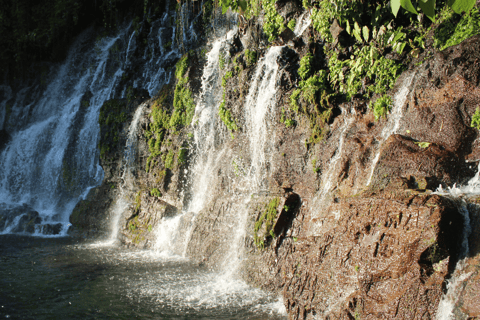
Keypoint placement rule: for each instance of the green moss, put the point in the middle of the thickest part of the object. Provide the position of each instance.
(382, 106)
(155, 193)
(225, 78)
(169, 159)
(267, 218)
(291, 24)
(224, 113)
(181, 67)
(159, 126)
(305, 68)
(182, 155)
(113, 115)
(476, 119)
(138, 201)
(183, 104)
(250, 57)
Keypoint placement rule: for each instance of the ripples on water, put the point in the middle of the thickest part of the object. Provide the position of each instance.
(61, 279)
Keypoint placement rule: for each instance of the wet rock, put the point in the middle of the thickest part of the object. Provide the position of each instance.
(20, 218)
(145, 219)
(4, 138)
(51, 229)
(371, 256)
(428, 165)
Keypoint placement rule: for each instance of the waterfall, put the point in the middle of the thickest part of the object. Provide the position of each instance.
(448, 301)
(394, 118)
(327, 185)
(128, 174)
(259, 106)
(52, 159)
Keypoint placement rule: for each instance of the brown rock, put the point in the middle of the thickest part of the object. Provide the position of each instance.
(374, 258)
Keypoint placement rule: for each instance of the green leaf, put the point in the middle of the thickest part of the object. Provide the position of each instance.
(357, 32)
(348, 28)
(407, 5)
(428, 7)
(395, 4)
(460, 6)
(423, 145)
(242, 4)
(366, 33)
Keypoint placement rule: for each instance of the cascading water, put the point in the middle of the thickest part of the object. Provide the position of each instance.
(259, 105)
(55, 135)
(217, 289)
(460, 194)
(52, 159)
(394, 118)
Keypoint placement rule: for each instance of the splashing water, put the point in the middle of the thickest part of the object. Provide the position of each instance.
(304, 22)
(259, 106)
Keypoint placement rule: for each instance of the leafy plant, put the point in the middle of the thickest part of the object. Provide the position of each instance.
(453, 30)
(273, 24)
(382, 106)
(155, 193)
(428, 6)
(291, 24)
(250, 57)
(476, 119)
(423, 144)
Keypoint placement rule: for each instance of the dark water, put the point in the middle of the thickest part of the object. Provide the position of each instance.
(58, 278)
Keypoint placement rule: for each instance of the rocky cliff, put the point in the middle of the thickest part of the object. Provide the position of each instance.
(327, 200)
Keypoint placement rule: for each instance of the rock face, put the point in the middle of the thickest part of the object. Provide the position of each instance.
(374, 257)
(343, 222)
(25, 217)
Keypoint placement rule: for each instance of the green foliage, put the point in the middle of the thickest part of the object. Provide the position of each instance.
(428, 6)
(181, 67)
(273, 24)
(169, 159)
(365, 63)
(267, 218)
(305, 66)
(226, 117)
(221, 61)
(138, 201)
(314, 165)
(313, 85)
(113, 114)
(382, 106)
(454, 30)
(225, 78)
(476, 119)
(294, 99)
(326, 11)
(155, 193)
(157, 129)
(184, 106)
(224, 113)
(182, 155)
(250, 57)
(423, 144)
(291, 24)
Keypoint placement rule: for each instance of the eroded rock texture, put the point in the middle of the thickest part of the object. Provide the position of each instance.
(356, 232)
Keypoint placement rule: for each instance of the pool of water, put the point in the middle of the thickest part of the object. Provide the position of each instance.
(61, 278)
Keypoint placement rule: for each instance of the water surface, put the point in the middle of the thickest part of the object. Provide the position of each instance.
(60, 278)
